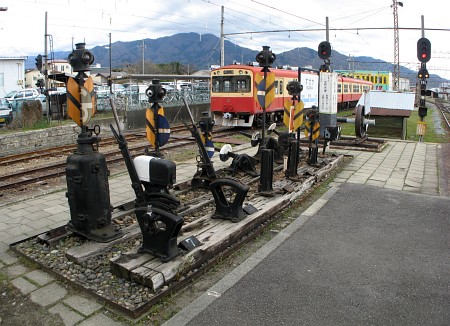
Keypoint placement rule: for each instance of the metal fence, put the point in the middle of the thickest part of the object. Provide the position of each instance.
(140, 101)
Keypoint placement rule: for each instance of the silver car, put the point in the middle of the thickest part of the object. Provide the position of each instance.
(16, 98)
(6, 114)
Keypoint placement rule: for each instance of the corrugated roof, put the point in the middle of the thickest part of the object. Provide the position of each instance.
(388, 100)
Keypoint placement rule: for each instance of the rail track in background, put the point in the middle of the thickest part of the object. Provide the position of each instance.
(444, 108)
(28, 171)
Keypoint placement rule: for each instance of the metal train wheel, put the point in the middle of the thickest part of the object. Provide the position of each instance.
(360, 126)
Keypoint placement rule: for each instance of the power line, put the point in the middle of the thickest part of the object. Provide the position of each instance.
(340, 29)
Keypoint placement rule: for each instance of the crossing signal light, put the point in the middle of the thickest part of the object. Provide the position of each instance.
(324, 50)
(423, 49)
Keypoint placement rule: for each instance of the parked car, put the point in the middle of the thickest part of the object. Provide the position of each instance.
(16, 98)
(22, 94)
(6, 114)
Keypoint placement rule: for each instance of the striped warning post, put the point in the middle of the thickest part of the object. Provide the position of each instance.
(293, 115)
(265, 89)
(315, 130)
(161, 137)
(209, 145)
(81, 104)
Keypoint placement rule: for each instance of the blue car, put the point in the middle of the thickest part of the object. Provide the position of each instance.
(6, 114)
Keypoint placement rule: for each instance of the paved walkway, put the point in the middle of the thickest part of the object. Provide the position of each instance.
(405, 166)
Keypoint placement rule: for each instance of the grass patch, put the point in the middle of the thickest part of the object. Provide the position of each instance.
(387, 127)
(431, 134)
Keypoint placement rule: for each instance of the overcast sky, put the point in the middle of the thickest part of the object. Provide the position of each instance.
(359, 28)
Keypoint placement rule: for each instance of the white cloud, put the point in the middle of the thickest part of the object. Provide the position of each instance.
(72, 21)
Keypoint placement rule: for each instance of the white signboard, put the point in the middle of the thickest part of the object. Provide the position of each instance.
(328, 93)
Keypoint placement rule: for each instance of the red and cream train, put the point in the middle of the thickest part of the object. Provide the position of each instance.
(234, 101)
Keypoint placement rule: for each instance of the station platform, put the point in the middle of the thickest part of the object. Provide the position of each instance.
(373, 249)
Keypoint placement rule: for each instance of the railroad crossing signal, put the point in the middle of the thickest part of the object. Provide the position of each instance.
(324, 50)
(265, 89)
(423, 49)
(293, 115)
(81, 104)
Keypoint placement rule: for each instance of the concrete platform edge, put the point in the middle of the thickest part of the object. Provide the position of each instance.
(197, 306)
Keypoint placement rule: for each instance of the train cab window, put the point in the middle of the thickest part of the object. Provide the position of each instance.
(227, 86)
(231, 84)
(215, 86)
(243, 85)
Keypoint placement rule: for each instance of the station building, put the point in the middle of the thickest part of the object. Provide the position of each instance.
(382, 80)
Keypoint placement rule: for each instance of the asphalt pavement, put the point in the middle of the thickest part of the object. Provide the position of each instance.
(362, 255)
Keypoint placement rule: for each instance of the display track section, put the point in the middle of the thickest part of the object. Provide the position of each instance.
(117, 274)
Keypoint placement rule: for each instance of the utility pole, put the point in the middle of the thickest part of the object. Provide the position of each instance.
(222, 40)
(46, 70)
(110, 64)
(143, 56)
(396, 45)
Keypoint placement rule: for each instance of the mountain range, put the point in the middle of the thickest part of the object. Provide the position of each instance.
(200, 51)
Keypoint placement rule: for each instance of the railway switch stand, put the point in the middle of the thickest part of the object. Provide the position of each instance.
(330, 133)
(293, 158)
(283, 143)
(206, 176)
(206, 125)
(88, 190)
(157, 175)
(266, 175)
(269, 143)
(205, 170)
(86, 170)
(313, 151)
(241, 162)
(291, 146)
(153, 206)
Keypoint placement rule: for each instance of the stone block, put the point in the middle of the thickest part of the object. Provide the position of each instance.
(48, 294)
(68, 316)
(83, 305)
(23, 285)
(40, 277)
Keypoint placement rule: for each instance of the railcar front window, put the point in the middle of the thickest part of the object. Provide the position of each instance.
(231, 84)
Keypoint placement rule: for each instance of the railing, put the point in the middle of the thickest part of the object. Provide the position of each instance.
(139, 101)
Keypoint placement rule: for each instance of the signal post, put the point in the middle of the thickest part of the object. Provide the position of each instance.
(424, 55)
(86, 170)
